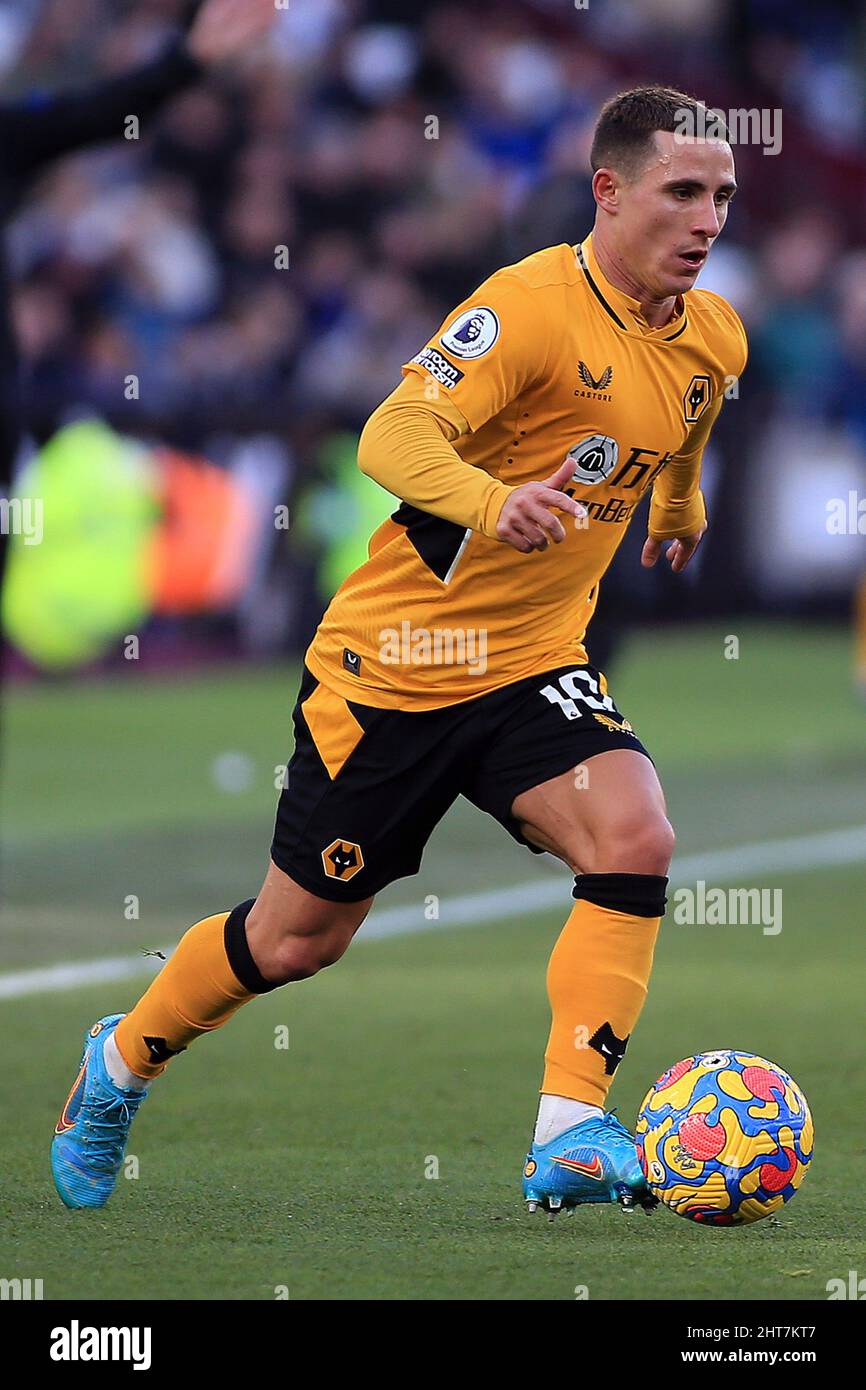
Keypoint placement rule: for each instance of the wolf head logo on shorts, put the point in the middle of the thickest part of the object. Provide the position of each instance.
(342, 859)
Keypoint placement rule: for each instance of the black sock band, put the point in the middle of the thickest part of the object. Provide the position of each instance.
(641, 895)
(239, 953)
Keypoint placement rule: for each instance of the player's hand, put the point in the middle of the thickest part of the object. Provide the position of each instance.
(679, 552)
(223, 28)
(527, 522)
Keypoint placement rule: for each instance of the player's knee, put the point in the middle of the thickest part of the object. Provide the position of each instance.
(300, 957)
(636, 845)
(294, 942)
(650, 845)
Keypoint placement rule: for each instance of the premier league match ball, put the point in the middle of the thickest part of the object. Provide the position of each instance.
(724, 1138)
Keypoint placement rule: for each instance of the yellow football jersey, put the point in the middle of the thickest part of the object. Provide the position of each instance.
(545, 361)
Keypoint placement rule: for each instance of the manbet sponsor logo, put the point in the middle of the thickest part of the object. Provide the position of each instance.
(77, 1343)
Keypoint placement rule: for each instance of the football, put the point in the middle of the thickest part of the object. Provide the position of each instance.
(724, 1138)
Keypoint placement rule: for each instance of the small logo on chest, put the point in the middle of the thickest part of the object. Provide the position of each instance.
(696, 398)
(596, 387)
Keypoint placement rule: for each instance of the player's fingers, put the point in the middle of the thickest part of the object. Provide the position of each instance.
(681, 559)
(546, 520)
(685, 549)
(511, 533)
(531, 531)
(677, 556)
(650, 553)
(563, 475)
(550, 497)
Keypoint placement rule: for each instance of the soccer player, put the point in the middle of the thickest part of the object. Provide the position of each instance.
(520, 440)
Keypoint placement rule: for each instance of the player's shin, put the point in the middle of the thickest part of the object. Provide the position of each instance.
(597, 982)
(203, 983)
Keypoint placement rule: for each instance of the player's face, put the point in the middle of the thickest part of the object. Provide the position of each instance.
(671, 213)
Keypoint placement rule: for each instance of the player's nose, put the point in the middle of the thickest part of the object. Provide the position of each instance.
(708, 223)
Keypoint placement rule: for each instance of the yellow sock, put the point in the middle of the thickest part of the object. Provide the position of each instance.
(207, 979)
(597, 980)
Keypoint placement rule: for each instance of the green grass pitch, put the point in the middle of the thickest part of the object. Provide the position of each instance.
(263, 1169)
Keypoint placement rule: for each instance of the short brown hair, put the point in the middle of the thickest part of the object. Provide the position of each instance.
(627, 123)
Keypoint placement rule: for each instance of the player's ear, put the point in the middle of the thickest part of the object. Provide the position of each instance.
(605, 189)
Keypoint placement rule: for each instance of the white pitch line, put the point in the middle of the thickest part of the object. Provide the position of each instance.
(46, 979)
(794, 855)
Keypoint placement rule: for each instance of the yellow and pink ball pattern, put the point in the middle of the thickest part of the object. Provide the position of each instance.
(724, 1138)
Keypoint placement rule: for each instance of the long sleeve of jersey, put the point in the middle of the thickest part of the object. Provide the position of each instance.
(407, 447)
(677, 507)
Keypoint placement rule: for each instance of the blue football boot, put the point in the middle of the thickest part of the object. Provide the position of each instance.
(90, 1136)
(594, 1161)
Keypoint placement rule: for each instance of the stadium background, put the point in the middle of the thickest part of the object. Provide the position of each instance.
(139, 780)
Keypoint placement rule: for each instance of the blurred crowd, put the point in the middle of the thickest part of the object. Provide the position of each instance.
(289, 232)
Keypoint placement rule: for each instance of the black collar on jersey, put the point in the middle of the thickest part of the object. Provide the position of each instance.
(607, 308)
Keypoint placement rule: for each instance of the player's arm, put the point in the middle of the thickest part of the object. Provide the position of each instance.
(407, 444)
(39, 129)
(677, 509)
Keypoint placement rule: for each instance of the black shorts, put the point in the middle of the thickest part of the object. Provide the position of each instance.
(366, 787)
